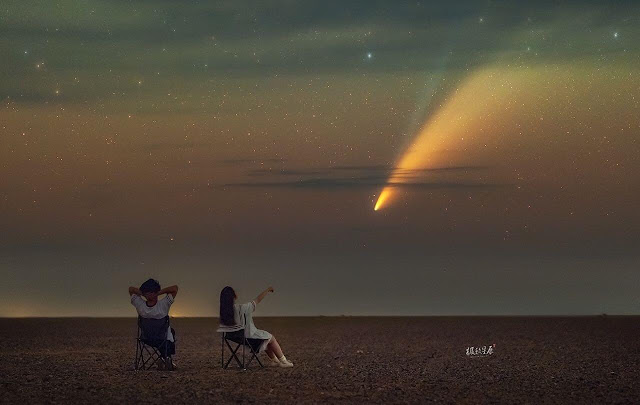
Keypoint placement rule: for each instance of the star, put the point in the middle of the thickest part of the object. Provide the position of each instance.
(369, 55)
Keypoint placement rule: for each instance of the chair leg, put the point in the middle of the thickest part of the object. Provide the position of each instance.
(145, 363)
(233, 356)
(165, 356)
(254, 355)
(152, 359)
(148, 356)
(143, 360)
(243, 365)
(135, 363)
(257, 358)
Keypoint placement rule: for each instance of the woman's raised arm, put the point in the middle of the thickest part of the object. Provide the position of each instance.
(263, 294)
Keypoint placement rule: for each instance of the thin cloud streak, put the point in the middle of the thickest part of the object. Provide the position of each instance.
(373, 169)
(363, 183)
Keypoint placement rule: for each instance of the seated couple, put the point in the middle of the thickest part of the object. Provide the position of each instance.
(231, 315)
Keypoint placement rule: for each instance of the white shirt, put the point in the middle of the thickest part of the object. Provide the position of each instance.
(158, 311)
(245, 312)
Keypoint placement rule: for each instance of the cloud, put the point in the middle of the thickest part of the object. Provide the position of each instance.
(318, 36)
(358, 177)
(383, 171)
(111, 44)
(334, 184)
(362, 177)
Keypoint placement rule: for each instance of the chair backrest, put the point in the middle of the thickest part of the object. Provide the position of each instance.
(153, 329)
(232, 328)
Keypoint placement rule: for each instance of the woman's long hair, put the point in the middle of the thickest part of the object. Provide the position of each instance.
(227, 297)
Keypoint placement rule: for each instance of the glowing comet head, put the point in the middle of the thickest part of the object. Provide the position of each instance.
(384, 195)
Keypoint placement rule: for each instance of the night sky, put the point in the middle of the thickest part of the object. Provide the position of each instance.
(247, 143)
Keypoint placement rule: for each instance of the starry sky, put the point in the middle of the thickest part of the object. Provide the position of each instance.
(247, 143)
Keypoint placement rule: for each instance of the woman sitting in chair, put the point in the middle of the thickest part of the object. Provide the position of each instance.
(232, 314)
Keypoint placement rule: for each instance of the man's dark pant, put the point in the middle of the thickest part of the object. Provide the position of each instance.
(166, 348)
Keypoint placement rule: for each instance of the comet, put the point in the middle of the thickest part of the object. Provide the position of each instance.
(472, 110)
(382, 198)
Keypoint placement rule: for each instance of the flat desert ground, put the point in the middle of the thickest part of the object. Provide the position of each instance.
(337, 360)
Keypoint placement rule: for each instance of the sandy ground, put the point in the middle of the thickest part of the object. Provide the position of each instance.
(398, 360)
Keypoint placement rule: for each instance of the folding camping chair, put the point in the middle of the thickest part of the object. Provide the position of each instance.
(236, 335)
(152, 343)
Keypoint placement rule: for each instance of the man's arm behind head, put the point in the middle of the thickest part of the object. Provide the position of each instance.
(173, 290)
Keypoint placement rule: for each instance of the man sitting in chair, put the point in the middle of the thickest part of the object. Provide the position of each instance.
(151, 307)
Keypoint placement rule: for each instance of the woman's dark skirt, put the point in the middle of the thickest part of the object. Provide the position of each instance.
(238, 337)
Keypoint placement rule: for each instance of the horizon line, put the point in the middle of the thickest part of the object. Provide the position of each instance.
(346, 316)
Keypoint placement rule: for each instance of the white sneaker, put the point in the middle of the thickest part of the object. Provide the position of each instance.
(271, 362)
(285, 364)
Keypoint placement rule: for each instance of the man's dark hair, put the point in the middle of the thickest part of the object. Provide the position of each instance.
(150, 286)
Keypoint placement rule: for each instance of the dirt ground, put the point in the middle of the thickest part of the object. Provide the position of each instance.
(345, 359)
